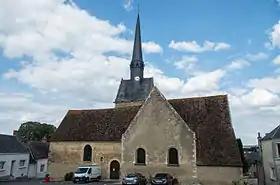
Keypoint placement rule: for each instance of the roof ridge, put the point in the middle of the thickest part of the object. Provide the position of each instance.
(276, 130)
(198, 97)
(112, 108)
(7, 135)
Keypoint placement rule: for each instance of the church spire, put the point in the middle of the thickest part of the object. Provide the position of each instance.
(137, 48)
(137, 63)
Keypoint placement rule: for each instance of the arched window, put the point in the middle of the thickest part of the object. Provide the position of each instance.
(140, 156)
(173, 156)
(87, 153)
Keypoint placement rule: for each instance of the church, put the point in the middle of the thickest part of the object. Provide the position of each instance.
(191, 138)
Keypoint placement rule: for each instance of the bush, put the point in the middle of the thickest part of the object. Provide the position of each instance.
(69, 176)
(239, 182)
(175, 181)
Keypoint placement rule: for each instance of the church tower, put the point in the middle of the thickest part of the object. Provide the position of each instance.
(136, 89)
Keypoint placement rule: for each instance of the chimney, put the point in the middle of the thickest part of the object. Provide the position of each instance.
(44, 139)
(259, 135)
(15, 132)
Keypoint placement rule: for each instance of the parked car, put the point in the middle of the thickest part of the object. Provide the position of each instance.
(162, 179)
(135, 179)
(87, 173)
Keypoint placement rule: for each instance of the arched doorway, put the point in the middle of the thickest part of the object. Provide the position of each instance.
(114, 170)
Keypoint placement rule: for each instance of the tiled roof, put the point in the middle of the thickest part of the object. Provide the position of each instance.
(38, 149)
(208, 117)
(11, 145)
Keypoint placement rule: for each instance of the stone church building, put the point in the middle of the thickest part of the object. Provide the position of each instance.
(190, 138)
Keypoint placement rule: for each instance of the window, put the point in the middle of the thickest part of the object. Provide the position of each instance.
(87, 153)
(2, 164)
(42, 168)
(278, 149)
(140, 156)
(89, 171)
(173, 156)
(21, 163)
(272, 173)
(101, 159)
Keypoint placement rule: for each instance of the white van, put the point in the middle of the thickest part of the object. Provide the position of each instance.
(87, 173)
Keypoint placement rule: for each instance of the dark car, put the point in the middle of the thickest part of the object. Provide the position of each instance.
(134, 178)
(162, 179)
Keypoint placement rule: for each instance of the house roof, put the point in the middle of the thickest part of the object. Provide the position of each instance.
(274, 134)
(39, 150)
(208, 117)
(252, 157)
(11, 144)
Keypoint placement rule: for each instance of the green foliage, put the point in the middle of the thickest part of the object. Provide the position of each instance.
(244, 161)
(68, 176)
(236, 183)
(35, 131)
(239, 182)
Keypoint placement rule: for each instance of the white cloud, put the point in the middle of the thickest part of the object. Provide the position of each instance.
(267, 83)
(194, 47)
(257, 56)
(204, 82)
(274, 36)
(128, 5)
(186, 62)
(258, 98)
(54, 26)
(276, 60)
(238, 64)
(152, 47)
(17, 108)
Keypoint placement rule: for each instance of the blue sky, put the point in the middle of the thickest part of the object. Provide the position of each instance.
(72, 55)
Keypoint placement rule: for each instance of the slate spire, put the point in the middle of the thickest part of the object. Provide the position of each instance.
(137, 63)
(137, 48)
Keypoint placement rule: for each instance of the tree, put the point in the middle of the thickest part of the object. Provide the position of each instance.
(35, 131)
(244, 161)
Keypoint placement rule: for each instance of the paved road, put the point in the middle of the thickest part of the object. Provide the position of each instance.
(36, 182)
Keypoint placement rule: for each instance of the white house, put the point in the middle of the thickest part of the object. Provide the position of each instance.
(14, 158)
(38, 159)
(270, 154)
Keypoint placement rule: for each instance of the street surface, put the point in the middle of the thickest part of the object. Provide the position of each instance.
(37, 182)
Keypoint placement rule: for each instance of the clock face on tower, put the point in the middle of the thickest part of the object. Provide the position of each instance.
(136, 78)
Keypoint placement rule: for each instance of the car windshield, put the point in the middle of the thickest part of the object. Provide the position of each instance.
(81, 170)
(161, 175)
(131, 175)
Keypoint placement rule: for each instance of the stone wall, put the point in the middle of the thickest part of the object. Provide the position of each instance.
(67, 156)
(156, 128)
(213, 175)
